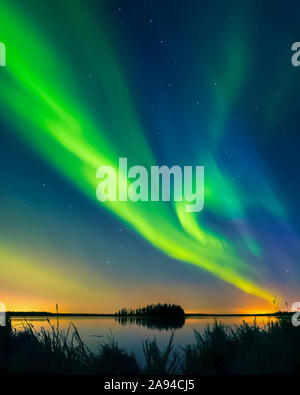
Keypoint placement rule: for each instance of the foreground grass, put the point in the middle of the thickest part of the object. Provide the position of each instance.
(247, 349)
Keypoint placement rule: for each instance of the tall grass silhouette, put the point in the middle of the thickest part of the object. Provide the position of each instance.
(244, 349)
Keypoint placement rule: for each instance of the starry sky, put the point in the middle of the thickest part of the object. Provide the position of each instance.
(191, 82)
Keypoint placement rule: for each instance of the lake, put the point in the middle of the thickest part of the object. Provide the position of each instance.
(129, 334)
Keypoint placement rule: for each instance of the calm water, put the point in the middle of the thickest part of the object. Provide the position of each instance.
(130, 335)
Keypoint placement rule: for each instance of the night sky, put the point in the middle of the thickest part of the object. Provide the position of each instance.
(192, 82)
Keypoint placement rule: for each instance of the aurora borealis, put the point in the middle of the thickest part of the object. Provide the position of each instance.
(178, 83)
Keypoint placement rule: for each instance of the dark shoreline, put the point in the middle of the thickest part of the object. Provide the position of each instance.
(47, 314)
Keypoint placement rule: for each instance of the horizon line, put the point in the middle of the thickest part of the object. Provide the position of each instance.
(12, 313)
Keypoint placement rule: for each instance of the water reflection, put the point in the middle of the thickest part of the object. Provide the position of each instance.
(129, 333)
(158, 323)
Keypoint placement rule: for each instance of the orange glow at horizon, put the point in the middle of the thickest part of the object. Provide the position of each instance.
(35, 282)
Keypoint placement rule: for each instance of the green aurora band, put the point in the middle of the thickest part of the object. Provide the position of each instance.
(52, 114)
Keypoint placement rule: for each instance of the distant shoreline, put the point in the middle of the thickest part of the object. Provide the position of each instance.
(187, 315)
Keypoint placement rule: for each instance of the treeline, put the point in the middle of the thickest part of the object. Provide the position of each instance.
(28, 313)
(153, 310)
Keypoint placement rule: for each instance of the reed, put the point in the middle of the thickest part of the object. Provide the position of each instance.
(244, 349)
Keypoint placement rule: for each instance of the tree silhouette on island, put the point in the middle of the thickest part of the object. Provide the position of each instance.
(153, 310)
(154, 316)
